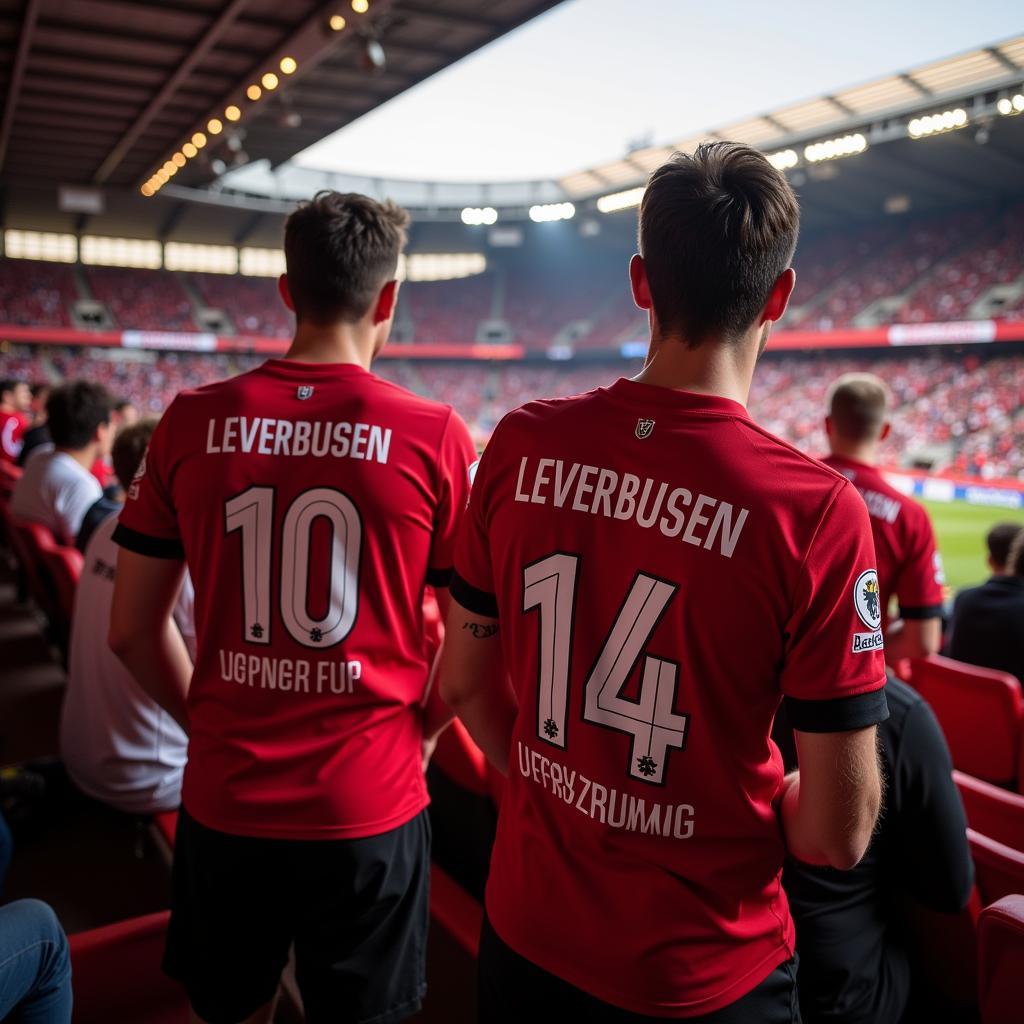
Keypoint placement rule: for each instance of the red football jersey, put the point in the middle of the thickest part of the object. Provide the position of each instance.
(909, 564)
(12, 426)
(313, 504)
(664, 572)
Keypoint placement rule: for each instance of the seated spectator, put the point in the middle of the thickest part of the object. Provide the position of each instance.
(35, 966)
(15, 402)
(56, 487)
(126, 413)
(909, 565)
(126, 454)
(39, 433)
(987, 627)
(854, 963)
(117, 744)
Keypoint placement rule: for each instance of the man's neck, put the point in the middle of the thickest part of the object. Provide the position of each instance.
(863, 453)
(85, 457)
(715, 367)
(332, 343)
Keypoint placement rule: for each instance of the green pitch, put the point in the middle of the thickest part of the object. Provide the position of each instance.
(960, 530)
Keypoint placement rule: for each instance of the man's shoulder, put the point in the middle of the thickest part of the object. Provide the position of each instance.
(790, 465)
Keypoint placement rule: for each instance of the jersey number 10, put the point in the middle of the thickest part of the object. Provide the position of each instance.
(551, 585)
(252, 512)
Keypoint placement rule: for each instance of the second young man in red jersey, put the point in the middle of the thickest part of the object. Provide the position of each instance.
(909, 564)
(313, 502)
(643, 575)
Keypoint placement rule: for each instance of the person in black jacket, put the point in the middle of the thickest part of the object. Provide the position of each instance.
(987, 627)
(854, 960)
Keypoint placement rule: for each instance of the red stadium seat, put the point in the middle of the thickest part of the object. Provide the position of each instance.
(117, 975)
(1001, 961)
(65, 568)
(981, 713)
(31, 541)
(460, 760)
(999, 870)
(992, 811)
(9, 476)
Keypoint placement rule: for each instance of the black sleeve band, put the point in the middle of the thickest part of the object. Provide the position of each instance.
(473, 600)
(144, 544)
(841, 714)
(439, 577)
(928, 611)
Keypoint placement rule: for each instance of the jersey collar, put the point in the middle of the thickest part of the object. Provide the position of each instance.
(651, 395)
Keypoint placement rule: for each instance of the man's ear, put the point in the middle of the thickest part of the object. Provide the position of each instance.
(886, 431)
(386, 300)
(638, 282)
(285, 292)
(828, 426)
(778, 297)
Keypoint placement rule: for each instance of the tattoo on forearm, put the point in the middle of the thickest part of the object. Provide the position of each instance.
(480, 630)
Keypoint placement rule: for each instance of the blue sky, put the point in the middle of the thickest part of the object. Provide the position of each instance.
(578, 85)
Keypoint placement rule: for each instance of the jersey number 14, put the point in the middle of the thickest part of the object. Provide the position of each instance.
(550, 585)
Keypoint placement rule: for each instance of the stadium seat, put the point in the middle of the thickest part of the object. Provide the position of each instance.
(31, 540)
(992, 811)
(999, 869)
(981, 713)
(117, 975)
(65, 569)
(1001, 961)
(9, 476)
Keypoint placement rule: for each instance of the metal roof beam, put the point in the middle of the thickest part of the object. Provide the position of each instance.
(28, 27)
(196, 55)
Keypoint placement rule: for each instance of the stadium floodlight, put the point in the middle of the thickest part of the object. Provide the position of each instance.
(783, 159)
(178, 159)
(1011, 104)
(214, 126)
(616, 201)
(833, 149)
(199, 140)
(288, 65)
(336, 23)
(269, 81)
(189, 150)
(254, 92)
(232, 113)
(477, 215)
(146, 190)
(936, 124)
(360, 6)
(543, 212)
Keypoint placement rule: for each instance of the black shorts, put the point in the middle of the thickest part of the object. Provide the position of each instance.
(356, 910)
(512, 989)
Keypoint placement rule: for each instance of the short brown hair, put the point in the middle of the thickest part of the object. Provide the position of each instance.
(129, 447)
(999, 541)
(858, 404)
(339, 250)
(716, 230)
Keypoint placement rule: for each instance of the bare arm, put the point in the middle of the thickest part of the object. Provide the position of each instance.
(913, 638)
(829, 807)
(475, 684)
(143, 634)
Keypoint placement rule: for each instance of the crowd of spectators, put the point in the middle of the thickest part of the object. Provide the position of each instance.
(36, 293)
(252, 304)
(966, 413)
(145, 299)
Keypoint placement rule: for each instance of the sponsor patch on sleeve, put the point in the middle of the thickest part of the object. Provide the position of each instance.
(867, 642)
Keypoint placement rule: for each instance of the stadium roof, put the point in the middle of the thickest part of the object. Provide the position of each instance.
(104, 92)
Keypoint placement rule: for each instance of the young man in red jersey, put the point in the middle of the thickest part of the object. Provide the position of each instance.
(654, 573)
(909, 564)
(15, 404)
(313, 502)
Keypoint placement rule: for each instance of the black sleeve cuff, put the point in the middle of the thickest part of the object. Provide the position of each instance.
(439, 577)
(477, 601)
(928, 611)
(841, 714)
(144, 544)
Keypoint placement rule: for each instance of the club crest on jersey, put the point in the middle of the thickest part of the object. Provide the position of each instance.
(644, 428)
(304, 391)
(867, 599)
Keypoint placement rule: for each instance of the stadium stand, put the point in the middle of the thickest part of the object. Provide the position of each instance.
(1001, 960)
(34, 293)
(151, 300)
(447, 311)
(251, 303)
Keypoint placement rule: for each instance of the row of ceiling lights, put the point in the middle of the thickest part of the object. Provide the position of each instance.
(267, 83)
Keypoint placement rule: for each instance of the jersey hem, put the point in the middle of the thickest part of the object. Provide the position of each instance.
(325, 833)
(691, 1008)
(838, 714)
(440, 577)
(145, 544)
(926, 611)
(472, 598)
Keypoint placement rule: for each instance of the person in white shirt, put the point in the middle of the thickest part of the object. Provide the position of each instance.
(57, 487)
(118, 746)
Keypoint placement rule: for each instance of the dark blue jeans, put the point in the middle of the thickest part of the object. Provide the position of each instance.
(35, 969)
